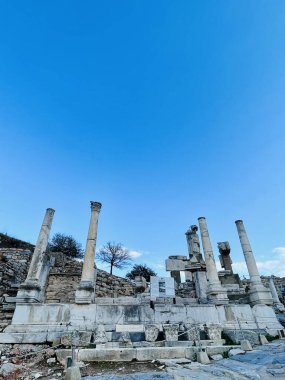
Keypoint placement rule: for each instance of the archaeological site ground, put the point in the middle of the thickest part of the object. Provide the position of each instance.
(61, 317)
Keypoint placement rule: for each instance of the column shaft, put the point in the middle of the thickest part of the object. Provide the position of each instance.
(41, 246)
(212, 273)
(215, 292)
(32, 289)
(248, 254)
(86, 291)
(258, 294)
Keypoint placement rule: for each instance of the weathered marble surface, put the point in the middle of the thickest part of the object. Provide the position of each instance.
(100, 334)
(192, 331)
(86, 291)
(214, 332)
(171, 332)
(151, 333)
(58, 318)
(32, 289)
(215, 292)
(258, 294)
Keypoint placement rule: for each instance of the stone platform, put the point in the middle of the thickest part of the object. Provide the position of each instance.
(39, 323)
(139, 354)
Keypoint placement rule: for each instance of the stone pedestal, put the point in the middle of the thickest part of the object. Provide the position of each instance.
(215, 292)
(258, 294)
(214, 332)
(192, 331)
(171, 332)
(151, 333)
(100, 335)
(33, 287)
(86, 290)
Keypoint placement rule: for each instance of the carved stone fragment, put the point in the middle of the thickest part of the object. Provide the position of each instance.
(192, 331)
(100, 334)
(171, 332)
(214, 332)
(151, 333)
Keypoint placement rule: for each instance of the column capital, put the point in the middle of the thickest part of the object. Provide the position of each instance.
(95, 206)
(192, 230)
(51, 211)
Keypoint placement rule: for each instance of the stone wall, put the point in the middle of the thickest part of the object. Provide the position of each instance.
(14, 264)
(65, 276)
(62, 282)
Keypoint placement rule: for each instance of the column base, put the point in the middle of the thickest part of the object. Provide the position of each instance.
(217, 295)
(29, 292)
(85, 293)
(259, 294)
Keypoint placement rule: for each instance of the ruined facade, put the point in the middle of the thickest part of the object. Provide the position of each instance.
(62, 282)
(62, 300)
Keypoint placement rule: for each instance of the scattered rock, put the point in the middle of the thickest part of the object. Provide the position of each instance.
(263, 339)
(203, 358)
(236, 351)
(50, 352)
(51, 360)
(8, 369)
(245, 345)
(216, 357)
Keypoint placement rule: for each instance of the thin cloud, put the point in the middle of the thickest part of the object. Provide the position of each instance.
(159, 266)
(276, 264)
(279, 251)
(135, 254)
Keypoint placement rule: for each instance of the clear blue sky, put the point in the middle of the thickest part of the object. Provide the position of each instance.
(162, 110)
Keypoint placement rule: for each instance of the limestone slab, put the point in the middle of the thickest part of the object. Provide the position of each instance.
(23, 337)
(154, 353)
(94, 355)
(130, 328)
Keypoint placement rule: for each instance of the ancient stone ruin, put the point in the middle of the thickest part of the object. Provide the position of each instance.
(58, 300)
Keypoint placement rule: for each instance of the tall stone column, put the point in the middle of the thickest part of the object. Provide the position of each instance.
(86, 290)
(215, 292)
(258, 293)
(276, 300)
(32, 289)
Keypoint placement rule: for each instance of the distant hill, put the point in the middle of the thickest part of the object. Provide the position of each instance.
(7, 241)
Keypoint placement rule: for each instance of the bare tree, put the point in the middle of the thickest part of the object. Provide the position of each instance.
(115, 255)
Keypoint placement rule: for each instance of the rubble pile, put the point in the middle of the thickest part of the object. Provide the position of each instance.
(28, 362)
